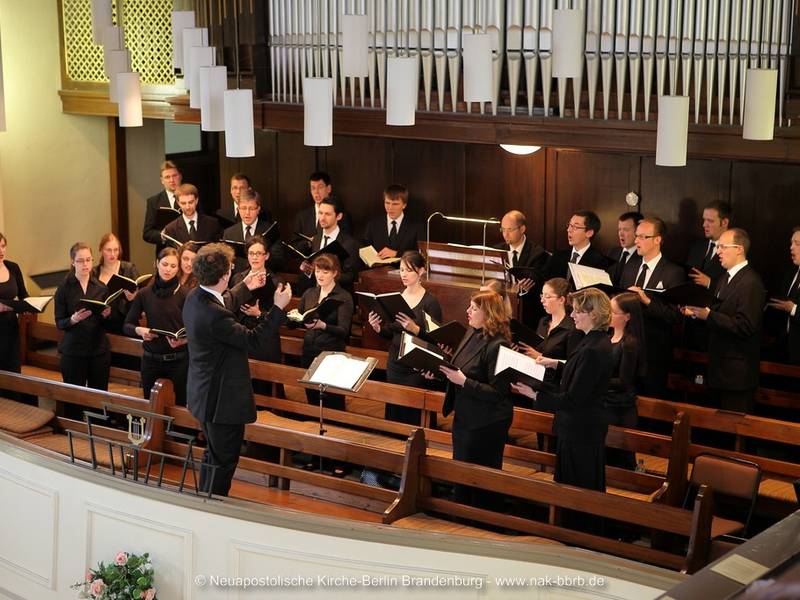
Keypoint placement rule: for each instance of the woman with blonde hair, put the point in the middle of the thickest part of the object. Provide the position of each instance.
(111, 264)
(581, 422)
(482, 405)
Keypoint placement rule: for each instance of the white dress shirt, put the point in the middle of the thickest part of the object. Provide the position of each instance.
(389, 220)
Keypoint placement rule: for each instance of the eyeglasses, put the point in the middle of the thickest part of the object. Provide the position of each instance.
(572, 227)
(256, 254)
(723, 246)
(641, 236)
(508, 229)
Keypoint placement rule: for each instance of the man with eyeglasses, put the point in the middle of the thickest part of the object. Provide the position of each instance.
(522, 252)
(654, 274)
(252, 223)
(229, 214)
(626, 251)
(788, 298)
(733, 324)
(582, 228)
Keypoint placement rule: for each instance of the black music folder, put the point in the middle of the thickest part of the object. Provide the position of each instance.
(388, 305)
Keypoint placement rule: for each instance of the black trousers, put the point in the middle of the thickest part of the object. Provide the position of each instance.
(88, 371)
(582, 464)
(223, 446)
(482, 446)
(176, 370)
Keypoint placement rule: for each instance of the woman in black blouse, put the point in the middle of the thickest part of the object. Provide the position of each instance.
(12, 286)
(420, 301)
(331, 330)
(110, 264)
(162, 304)
(629, 352)
(85, 354)
(482, 405)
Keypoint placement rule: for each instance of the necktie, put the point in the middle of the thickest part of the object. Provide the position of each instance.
(575, 257)
(712, 247)
(624, 258)
(514, 258)
(192, 231)
(723, 283)
(393, 232)
(325, 239)
(642, 276)
(248, 233)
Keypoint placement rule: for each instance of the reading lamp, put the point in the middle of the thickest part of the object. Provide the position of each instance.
(485, 222)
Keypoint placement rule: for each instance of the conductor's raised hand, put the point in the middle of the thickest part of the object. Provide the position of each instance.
(374, 321)
(282, 295)
(407, 323)
(454, 375)
(253, 281)
(251, 310)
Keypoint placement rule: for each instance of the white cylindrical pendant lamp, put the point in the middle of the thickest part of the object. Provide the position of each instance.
(213, 83)
(318, 111)
(101, 18)
(477, 53)
(402, 91)
(239, 131)
(355, 45)
(194, 36)
(673, 131)
(568, 39)
(201, 56)
(181, 19)
(759, 104)
(130, 100)
(117, 61)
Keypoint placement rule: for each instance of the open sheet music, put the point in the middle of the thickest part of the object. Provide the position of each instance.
(370, 257)
(339, 370)
(515, 367)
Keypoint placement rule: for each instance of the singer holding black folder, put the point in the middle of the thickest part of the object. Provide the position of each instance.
(161, 301)
(331, 330)
(482, 405)
(111, 264)
(420, 301)
(12, 285)
(85, 352)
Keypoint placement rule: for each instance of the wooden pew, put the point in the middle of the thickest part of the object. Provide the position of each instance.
(694, 525)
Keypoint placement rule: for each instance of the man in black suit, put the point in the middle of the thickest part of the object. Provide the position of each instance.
(330, 215)
(170, 178)
(582, 228)
(626, 251)
(522, 252)
(229, 215)
(307, 220)
(251, 223)
(218, 389)
(192, 226)
(393, 233)
(733, 324)
(790, 297)
(654, 272)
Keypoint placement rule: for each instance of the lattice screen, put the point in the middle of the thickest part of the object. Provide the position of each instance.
(148, 35)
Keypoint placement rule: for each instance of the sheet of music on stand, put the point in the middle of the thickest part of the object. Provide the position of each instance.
(520, 367)
(584, 276)
(339, 370)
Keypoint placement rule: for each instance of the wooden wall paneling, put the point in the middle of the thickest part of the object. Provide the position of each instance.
(434, 174)
(594, 181)
(295, 162)
(358, 168)
(764, 198)
(118, 176)
(552, 230)
(677, 195)
(261, 169)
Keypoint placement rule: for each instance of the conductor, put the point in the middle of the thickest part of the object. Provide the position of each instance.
(219, 391)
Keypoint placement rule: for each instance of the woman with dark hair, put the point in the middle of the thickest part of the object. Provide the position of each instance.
(580, 420)
(111, 264)
(12, 286)
(560, 337)
(85, 352)
(420, 301)
(628, 353)
(186, 255)
(162, 304)
(330, 331)
(482, 405)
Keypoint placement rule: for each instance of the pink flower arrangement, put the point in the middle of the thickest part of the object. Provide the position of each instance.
(97, 588)
(128, 576)
(149, 594)
(121, 559)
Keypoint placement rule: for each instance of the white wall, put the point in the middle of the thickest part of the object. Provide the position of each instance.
(53, 167)
(62, 524)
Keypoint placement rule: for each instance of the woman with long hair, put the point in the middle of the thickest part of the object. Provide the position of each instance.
(481, 405)
(629, 354)
(186, 255)
(420, 301)
(110, 264)
(162, 304)
(85, 351)
(12, 287)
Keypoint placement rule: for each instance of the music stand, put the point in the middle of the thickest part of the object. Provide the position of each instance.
(338, 370)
